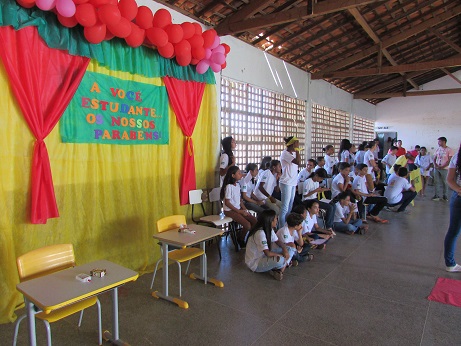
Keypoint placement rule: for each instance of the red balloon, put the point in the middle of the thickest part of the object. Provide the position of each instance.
(109, 14)
(128, 9)
(174, 32)
(196, 41)
(194, 61)
(162, 18)
(223, 66)
(226, 48)
(122, 29)
(166, 51)
(86, 15)
(78, 2)
(198, 53)
(144, 17)
(188, 30)
(95, 34)
(109, 35)
(136, 38)
(68, 22)
(208, 37)
(182, 48)
(99, 3)
(157, 37)
(183, 59)
(26, 3)
(198, 29)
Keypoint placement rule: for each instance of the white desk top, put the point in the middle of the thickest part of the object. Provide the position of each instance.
(59, 289)
(174, 237)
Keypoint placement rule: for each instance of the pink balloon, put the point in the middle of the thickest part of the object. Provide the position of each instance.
(46, 5)
(215, 67)
(218, 58)
(216, 42)
(65, 8)
(202, 67)
(219, 49)
(207, 53)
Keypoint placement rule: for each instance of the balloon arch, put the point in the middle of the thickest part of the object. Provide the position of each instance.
(105, 19)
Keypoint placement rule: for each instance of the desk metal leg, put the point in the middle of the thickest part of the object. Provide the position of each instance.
(31, 321)
(115, 339)
(203, 270)
(164, 295)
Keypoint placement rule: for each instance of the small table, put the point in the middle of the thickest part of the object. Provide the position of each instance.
(56, 290)
(181, 239)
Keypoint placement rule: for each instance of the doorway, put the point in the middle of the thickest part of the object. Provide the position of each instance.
(386, 139)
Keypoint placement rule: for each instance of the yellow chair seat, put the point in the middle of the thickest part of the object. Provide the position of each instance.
(186, 254)
(67, 311)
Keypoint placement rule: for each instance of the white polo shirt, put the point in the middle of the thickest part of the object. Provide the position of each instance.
(360, 183)
(256, 245)
(329, 163)
(366, 160)
(289, 169)
(308, 223)
(309, 185)
(395, 186)
(232, 193)
(269, 184)
(285, 236)
(335, 191)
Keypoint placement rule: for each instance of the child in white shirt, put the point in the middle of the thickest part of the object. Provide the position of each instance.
(291, 235)
(248, 184)
(389, 160)
(399, 191)
(424, 162)
(342, 181)
(264, 251)
(233, 205)
(345, 216)
(330, 160)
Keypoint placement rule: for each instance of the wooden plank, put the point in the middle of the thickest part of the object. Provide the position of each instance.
(291, 15)
(422, 66)
(448, 73)
(362, 96)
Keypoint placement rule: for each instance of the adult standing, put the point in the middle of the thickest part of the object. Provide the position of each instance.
(227, 158)
(290, 161)
(442, 158)
(454, 181)
(400, 150)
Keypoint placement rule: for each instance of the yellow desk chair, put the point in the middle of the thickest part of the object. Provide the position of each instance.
(47, 260)
(178, 255)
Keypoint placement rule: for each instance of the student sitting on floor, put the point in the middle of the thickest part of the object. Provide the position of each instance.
(313, 208)
(360, 190)
(233, 204)
(399, 191)
(264, 251)
(307, 237)
(291, 235)
(346, 216)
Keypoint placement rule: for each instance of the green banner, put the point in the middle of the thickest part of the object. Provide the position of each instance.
(109, 110)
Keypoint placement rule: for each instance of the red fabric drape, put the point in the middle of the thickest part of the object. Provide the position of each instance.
(185, 99)
(43, 81)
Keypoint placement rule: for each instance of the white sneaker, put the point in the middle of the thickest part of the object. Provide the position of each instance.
(456, 268)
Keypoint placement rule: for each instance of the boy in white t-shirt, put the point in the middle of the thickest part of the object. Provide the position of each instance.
(304, 174)
(267, 183)
(291, 236)
(342, 180)
(389, 160)
(346, 216)
(399, 191)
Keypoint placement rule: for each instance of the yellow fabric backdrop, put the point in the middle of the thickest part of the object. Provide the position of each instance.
(109, 196)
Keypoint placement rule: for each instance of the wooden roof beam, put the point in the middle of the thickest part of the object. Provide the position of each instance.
(362, 96)
(366, 27)
(448, 73)
(396, 39)
(445, 39)
(422, 66)
(233, 26)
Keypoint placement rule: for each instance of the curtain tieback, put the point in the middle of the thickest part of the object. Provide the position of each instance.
(189, 145)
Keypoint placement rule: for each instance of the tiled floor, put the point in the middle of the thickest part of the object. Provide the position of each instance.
(360, 290)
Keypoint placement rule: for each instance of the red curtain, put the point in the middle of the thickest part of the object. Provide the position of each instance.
(43, 81)
(185, 99)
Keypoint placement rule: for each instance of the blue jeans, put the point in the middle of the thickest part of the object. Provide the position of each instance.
(268, 263)
(352, 226)
(453, 230)
(288, 196)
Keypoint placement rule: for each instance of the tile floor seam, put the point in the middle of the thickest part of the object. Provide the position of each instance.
(425, 323)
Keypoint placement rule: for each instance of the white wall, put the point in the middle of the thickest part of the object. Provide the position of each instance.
(422, 119)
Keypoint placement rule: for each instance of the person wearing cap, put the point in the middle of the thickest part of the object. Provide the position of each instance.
(290, 161)
(442, 158)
